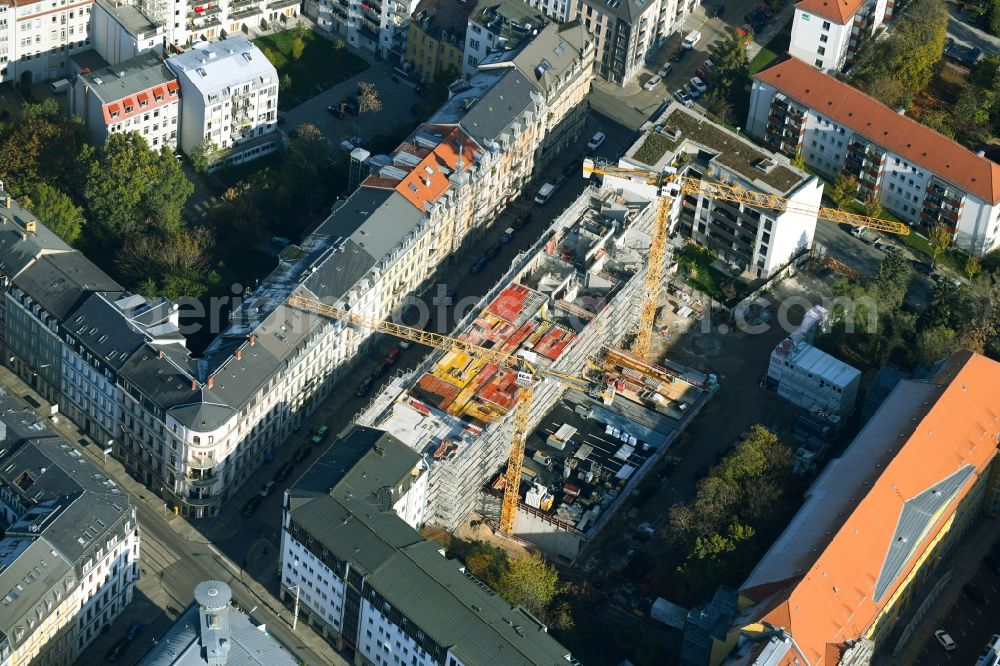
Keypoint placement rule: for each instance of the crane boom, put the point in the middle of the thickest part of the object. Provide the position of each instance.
(526, 376)
(737, 194)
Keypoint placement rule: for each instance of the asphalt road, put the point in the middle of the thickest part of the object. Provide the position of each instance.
(962, 29)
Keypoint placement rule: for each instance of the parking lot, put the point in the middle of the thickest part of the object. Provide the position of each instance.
(631, 104)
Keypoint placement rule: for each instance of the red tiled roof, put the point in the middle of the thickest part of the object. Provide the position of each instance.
(902, 135)
(840, 11)
(832, 601)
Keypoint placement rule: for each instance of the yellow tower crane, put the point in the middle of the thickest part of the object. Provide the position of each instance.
(669, 185)
(527, 375)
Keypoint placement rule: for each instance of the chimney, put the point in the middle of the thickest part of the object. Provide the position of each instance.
(211, 382)
(901, 110)
(31, 226)
(6, 201)
(159, 354)
(981, 153)
(194, 384)
(239, 354)
(253, 340)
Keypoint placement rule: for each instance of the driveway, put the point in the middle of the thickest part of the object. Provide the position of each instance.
(962, 30)
(631, 105)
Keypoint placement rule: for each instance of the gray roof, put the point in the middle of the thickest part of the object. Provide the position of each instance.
(210, 67)
(60, 282)
(19, 247)
(916, 517)
(546, 58)
(184, 642)
(629, 11)
(129, 16)
(341, 502)
(33, 579)
(497, 109)
(109, 334)
(512, 20)
(89, 59)
(128, 77)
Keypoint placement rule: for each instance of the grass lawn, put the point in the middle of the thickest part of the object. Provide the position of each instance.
(320, 66)
(704, 277)
(774, 48)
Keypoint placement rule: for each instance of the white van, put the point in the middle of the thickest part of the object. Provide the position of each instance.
(60, 86)
(545, 193)
(693, 38)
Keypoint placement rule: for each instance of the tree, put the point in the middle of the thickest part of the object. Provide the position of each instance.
(873, 207)
(939, 120)
(993, 18)
(201, 156)
(268, 53)
(973, 111)
(42, 146)
(486, 562)
(57, 211)
(164, 199)
(972, 266)
(529, 581)
(933, 344)
(285, 82)
(939, 239)
(844, 190)
(369, 100)
(891, 281)
(798, 161)
(172, 265)
(298, 46)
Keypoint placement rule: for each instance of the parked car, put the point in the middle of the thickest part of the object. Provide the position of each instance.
(134, 630)
(684, 98)
(679, 55)
(945, 640)
(764, 9)
(302, 453)
(923, 267)
(691, 40)
(284, 472)
(652, 83)
(250, 506)
(691, 90)
(320, 434)
(973, 593)
(545, 193)
(699, 85)
(266, 489)
(363, 387)
(596, 141)
(708, 64)
(392, 356)
(334, 111)
(858, 232)
(666, 69)
(116, 651)
(701, 73)
(478, 267)
(492, 251)
(508, 234)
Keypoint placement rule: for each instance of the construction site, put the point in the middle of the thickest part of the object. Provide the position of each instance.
(598, 417)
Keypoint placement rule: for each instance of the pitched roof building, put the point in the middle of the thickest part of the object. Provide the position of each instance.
(877, 520)
(922, 176)
(828, 33)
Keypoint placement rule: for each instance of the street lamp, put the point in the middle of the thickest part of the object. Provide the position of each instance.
(295, 612)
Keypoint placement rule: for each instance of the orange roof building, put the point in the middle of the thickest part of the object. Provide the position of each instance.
(828, 33)
(874, 524)
(923, 177)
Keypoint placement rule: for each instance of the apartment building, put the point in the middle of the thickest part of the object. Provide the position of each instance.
(193, 430)
(754, 241)
(861, 560)
(37, 38)
(813, 379)
(366, 580)
(121, 32)
(828, 34)
(185, 22)
(213, 631)
(434, 39)
(378, 26)
(70, 549)
(627, 31)
(921, 176)
(137, 95)
(498, 25)
(230, 93)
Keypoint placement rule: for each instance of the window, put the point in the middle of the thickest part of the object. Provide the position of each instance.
(823, 38)
(826, 25)
(821, 50)
(474, 43)
(476, 29)
(819, 63)
(473, 61)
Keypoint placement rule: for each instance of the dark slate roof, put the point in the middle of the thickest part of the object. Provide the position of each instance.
(496, 110)
(60, 282)
(917, 516)
(45, 577)
(18, 247)
(546, 58)
(341, 502)
(102, 329)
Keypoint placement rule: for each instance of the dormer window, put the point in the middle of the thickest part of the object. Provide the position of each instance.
(128, 109)
(143, 103)
(159, 98)
(114, 114)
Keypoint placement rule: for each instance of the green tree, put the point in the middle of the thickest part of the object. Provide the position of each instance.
(485, 562)
(972, 266)
(298, 46)
(844, 190)
(529, 581)
(939, 238)
(891, 281)
(933, 344)
(973, 112)
(285, 82)
(42, 146)
(993, 18)
(201, 156)
(57, 211)
(268, 53)
(873, 207)
(798, 161)
(164, 199)
(939, 120)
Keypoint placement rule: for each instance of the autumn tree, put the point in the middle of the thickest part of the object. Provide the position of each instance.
(844, 190)
(485, 562)
(369, 100)
(529, 581)
(939, 238)
(201, 156)
(873, 207)
(933, 344)
(298, 46)
(972, 266)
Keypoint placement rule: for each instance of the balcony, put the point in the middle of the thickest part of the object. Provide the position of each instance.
(201, 479)
(281, 4)
(202, 462)
(245, 12)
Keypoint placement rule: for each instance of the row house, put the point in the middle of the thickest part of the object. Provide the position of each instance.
(71, 544)
(195, 429)
(498, 25)
(367, 581)
(921, 176)
(37, 38)
(828, 35)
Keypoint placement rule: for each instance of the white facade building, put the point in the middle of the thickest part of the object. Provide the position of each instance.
(70, 551)
(230, 93)
(813, 379)
(138, 95)
(827, 35)
(924, 178)
(40, 37)
(371, 584)
(121, 32)
(756, 241)
(498, 25)
(378, 26)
